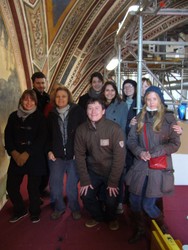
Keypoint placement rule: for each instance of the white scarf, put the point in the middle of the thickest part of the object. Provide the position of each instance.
(22, 113)
(148, 109)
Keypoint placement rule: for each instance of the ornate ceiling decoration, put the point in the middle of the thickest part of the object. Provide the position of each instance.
(68, 40)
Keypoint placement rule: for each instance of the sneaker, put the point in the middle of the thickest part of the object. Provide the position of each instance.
(120, 209)
(56, 214)
(35, 218)
(91, 223)
(113, 225)
(76, 215)
(16, 218)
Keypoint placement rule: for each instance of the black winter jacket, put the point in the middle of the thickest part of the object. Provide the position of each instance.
(83, 101)
(76, 116)
(43, 100)
(30, 136)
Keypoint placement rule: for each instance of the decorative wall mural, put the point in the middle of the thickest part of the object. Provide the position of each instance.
(10, 92)
(59, 7)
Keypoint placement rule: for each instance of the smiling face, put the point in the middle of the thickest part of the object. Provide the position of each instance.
(109, 93)
(28, 103)
(61, 99)
(129, 90)
(39, 84)
(95, 111)
(152, 101)
(96, 84)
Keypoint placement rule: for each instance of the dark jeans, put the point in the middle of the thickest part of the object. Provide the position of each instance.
(129, 163)
(141, 202)
(13, 188)
(92, 202)
(58, 169)
(121, 186)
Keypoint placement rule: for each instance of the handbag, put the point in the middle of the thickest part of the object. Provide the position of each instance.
(159, 162)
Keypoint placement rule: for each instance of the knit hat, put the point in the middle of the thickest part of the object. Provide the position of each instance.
(132, 82)
(157, 90)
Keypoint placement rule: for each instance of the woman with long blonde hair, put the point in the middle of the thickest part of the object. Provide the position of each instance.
(153, 136)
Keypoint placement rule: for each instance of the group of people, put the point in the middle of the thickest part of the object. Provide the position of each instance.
(99, 142)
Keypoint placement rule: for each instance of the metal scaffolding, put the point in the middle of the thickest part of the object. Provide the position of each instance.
(163, 65)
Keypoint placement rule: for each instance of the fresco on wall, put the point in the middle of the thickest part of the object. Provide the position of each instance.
(10, 92)
(58, 8)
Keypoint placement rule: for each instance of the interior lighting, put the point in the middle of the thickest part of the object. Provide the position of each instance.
(132, 11)
(112, 64)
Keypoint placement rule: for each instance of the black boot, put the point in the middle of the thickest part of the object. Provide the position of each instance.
(140, 228)
(160, 222)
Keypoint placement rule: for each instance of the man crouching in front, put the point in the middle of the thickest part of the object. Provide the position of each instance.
(100, 158)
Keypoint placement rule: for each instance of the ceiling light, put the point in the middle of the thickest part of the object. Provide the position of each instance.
(133, 9)
(112, 64)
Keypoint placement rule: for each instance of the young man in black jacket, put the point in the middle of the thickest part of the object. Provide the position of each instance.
(39, 86)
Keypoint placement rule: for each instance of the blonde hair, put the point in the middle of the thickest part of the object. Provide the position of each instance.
(158, 117)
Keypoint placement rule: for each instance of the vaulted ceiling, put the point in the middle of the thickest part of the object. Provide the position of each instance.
(70, 39)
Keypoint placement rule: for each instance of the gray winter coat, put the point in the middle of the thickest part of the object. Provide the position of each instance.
(165, 142)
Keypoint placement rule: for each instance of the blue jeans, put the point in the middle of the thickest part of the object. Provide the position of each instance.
(58, 169)
(92, 201)
(140, 203)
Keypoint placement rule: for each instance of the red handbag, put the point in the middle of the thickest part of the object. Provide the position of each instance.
(159, 162)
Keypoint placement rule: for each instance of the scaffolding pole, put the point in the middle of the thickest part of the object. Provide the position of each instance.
(139, 77)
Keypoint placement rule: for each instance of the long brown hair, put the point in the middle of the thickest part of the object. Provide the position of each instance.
(102, 95)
